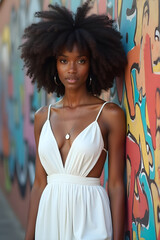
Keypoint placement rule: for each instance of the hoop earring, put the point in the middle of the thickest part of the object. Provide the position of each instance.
(55, 80)
(90, 81)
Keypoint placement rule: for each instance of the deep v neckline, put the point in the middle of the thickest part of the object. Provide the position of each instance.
(79, 134)
(53, 135)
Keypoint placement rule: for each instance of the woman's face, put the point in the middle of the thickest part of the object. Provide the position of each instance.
(73, 68)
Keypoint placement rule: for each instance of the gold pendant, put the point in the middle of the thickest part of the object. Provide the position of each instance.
(67, 137)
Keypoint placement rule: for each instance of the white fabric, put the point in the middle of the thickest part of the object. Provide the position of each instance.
(73, 206)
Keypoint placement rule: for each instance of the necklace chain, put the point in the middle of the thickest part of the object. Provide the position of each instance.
(68, 134)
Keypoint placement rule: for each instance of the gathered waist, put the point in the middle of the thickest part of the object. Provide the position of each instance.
(73, 179)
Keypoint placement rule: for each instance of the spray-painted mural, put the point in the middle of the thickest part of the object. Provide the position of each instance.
(139, 96)
(139, 23)
(19, 100)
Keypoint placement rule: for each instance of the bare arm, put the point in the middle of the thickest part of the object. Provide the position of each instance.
(116, 148)
(39, 182)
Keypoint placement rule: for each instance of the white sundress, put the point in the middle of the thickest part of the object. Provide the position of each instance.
(73, 206)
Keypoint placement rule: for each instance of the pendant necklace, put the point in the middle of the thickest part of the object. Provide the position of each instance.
(68, 135)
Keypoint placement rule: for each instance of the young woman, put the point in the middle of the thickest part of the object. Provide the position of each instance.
(76, 56)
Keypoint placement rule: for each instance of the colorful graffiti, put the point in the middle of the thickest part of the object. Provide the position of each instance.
(139, 23)
(139, 96)
(19, 101)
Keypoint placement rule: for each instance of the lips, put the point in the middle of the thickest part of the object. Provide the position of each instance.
(71, 79)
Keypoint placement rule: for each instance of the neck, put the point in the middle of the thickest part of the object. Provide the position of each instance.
(73, 99)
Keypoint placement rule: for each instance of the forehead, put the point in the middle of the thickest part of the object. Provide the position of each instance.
(75, 50)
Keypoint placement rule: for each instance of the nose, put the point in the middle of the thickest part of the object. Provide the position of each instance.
(72, 68)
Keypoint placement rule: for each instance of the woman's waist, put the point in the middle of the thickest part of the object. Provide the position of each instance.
(72, 179)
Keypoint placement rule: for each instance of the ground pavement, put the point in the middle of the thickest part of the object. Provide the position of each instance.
(10, 227)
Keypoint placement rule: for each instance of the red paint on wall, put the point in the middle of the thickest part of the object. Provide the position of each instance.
(133, 57)
(140, 205)
(152, 83)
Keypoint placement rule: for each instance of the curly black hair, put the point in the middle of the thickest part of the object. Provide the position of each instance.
(60, 27)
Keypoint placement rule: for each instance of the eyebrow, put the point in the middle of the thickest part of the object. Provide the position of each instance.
(62, 55)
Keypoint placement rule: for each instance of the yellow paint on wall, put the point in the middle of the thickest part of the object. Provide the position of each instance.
(139, 232)
(135, 126)
(147, 118)
(156, 68)
(134, 236)
(6, 37)
(119, 7)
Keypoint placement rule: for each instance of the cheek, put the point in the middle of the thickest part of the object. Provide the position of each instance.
(61, 70)
(58, 68)
(85, 71)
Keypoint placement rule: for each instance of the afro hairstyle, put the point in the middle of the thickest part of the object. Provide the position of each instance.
(59, 28)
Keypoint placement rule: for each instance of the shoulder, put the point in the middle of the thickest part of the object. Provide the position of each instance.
(41, 113)
(40, 117)
(113, 109)
(113, 115)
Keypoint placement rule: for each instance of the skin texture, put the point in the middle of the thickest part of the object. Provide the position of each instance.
(73, 113)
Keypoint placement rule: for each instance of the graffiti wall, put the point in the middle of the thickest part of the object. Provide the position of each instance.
(139, 23)
(139, 96)
(19, 101)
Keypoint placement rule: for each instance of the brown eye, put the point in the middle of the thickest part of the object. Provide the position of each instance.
(63, 61)
(81, 61)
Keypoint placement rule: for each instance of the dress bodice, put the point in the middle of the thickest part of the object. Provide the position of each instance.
(82, 156)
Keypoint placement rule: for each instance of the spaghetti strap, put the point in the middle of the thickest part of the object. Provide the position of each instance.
(100, 110)
(49, 108)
